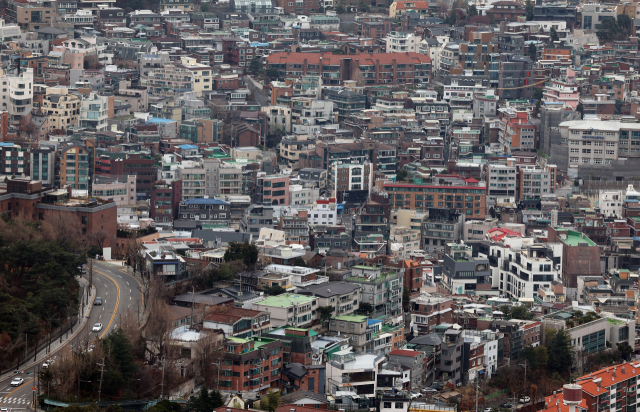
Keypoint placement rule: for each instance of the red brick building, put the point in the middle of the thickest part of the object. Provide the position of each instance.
(427, 312)
(252, 364)
(164, 201)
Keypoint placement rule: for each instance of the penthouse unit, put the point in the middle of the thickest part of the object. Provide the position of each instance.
(344, 297)
(301, 277)
(239, 322)
(463, 274)
(251, 365)
(290, 309)
(561, 91)
(389, 68)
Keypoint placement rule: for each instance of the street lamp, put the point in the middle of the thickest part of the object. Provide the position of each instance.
(525, 377)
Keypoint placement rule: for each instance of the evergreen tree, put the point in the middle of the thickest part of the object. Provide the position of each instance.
(553, 35)
(560, 352)
(532, 52)
(472, 11)
(529, 10)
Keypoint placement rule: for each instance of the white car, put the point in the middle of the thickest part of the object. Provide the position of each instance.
(525, 399)
(429, 390)
(97, 327)
(4, 410)
(17, 381)
(413, 396)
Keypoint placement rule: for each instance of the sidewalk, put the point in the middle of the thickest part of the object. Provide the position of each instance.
(56, 345)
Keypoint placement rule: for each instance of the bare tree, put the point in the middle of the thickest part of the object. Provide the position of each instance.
(99, 238)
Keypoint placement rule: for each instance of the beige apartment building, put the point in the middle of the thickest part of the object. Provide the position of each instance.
(188, 75)
(62, 107)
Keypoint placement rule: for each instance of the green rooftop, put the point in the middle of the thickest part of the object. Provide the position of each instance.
(616, 322)
(238, 340)
(285, 300)
(575, 238)
(352, 318)
(365, 267)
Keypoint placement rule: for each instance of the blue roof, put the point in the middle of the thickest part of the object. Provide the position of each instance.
(159, 120)
(372, 321)
(187, 146)
(6, 144)
(205, 202)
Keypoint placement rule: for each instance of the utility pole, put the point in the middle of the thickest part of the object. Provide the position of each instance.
(26, 346)
(101, 374)
(162, 384)
(193, 298)
(90, 277)
(477, 377)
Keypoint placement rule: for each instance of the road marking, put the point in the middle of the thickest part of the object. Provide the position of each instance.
(99, 317)
(120, 276)
(129, 290)
(127, 283)
(117, 303)
(129, 297)
(16, 389)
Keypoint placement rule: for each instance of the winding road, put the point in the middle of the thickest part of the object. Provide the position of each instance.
(119, 291)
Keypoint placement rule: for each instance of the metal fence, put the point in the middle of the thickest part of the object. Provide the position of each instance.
(495, 394)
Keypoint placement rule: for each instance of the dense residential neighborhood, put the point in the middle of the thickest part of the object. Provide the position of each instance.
(405, 206)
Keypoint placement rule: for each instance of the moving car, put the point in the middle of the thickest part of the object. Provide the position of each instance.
(17, 381)
(525, 399)
(98, 301)
(97, 327)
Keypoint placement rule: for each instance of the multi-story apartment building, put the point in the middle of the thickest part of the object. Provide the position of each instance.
(412, 359)
(193, 177)
(17, 96)
(400, 42)
(383, 291)
(351, 177)
(502, 183)
(309, 115)
(122, 191)
(348, 103)
(462, 273)
(561, 91)
(428, 312)
(94, 113)
(278, 118)
(251, 364)
(439, 227)
(523, 267)
(342, 296)
(396, 68)
(517, 77)
(459, 90)
(144, 17)
(295, 227)
(598, 142)
(291, 147)
(62, 107)
(177, 78)
(42, 165)
(536, 181)
(205, 211)
(468, 199)
(256, 217)
(610, 202)
(164, 201)
(76, 167)
(516, 132)
(288, 309)
(274, 189)
(353, 327)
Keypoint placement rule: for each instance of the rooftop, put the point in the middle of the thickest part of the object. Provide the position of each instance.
(286, 299)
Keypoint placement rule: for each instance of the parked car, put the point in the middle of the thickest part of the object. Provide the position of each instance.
(525, 399)
(17, 381)
(487, 410)
(98, 301)
(429, 390)
(413, 396)
(97, 327)
(506, 406)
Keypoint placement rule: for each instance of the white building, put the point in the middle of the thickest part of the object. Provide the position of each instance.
(278, 118)
(310, 115)
(597, 142)
(610, 202)
(302, 197)
(502, 183)
(324, 212)
(350, 372)
(523, 267)
(8, 31)
(17, 96)
(94, 112)
(288, 309)
(300, 276)
(401, 42)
